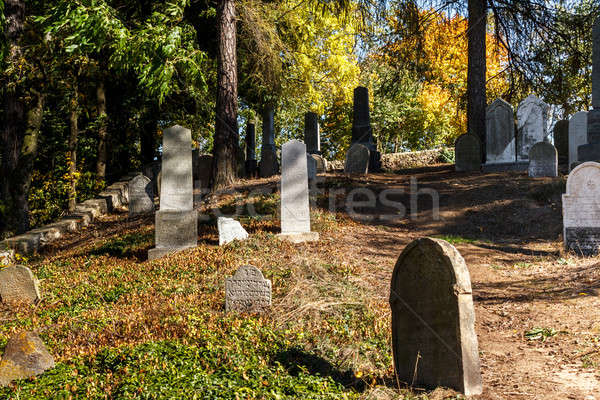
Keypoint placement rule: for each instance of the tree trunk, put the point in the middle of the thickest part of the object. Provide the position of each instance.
(476, 72)
(102, 131)
(73, 138)
(226, 141)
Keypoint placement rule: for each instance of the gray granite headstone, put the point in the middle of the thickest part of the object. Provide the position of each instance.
(543, 160)
(561, 140)
(467, 153)
(591, 150)
(581, 209)
(141, 196)
(247, 291)
(268, 153)
(18, 285)
(532, 119)
(295, 209)
(176, 226)
(577, 135)
(433, 333)
(357, 160)
(362, 132)
(230, 230)
(500, 133)
(25, 356)
(312, 134)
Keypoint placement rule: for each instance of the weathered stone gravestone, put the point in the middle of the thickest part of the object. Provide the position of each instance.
(18, 285)
(321, 163)
(561, 140)
(268, 154)
(312, 134)
(311, 165)
(433, 333)
(362, 132)
(577, 135)
(532, 119)
(25, 356)
(357, 160)
(251, 165)
(591, 150)
(230, 230)
(176, 225)
(500, 142)
(467, 153)
(7, 257)
(295, 210)
(141, 196)
(581, 209)
(247, 291)
(543, 160)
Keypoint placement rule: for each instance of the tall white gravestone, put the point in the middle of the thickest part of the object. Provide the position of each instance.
(176, 225)
(581, 209)
(577, 135)
(295, 210)
(532, 119)
(500, 133)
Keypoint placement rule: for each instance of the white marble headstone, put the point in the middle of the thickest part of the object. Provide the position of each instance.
(532, 120)
(500, 133)
(295, 212)
(176, 192)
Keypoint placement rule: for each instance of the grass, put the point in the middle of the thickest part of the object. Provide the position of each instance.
(453, 239)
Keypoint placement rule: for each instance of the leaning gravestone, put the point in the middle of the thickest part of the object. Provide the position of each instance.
(561, 140)
(500, 141)
(25, 356)
(357, 159)
(230, 230)
(176, 225)
(532, 118)
(18, 285)
(141, 196)
(581, 209)
(433, 333)
(467, 153)
(295, 210)
(247, 291)
(577, 135)
(543, 160)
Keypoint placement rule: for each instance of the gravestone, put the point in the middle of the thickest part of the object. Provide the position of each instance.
(7, 257)
(247, 291)
(591, 150)
(532, 119)
(500, 134)
(312, 135)
(561, 140)
(176, 226)
(251, 165)
(321, 163)
(581, 209)
(311, 165)
(362, 131)
(268, 153)
(357, 160)
(230, 230)
(18, 285)
(577, 135)
(543, 160)
(25, 356)
(295, 210)
(152, 170)
(467, 153)
(433, 333)
(141, 196)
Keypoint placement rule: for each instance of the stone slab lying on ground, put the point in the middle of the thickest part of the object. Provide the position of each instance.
(230, 230)
(25, 356)
(247, 291)
(18, 285)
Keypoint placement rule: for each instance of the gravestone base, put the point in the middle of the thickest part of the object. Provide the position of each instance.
(299, 237)
(505, 167)
(175, 231)
(583, 241)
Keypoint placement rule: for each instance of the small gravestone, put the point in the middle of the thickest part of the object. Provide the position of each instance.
(295, 209)
(581, 209)
(357, 160)
(561, 140)
(311, 165)
(141, 196)
(577, 135)
(25, 356)
(433, 333)
(7, 257)
(18, 285)
(467, 152)
(321, 163)
(247, 291)
(532, 119)
(230, 230)
(500, 133)
(543, 160)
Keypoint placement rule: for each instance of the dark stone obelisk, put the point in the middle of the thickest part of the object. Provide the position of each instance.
(312, 135)
(269, 165)
(250, 165)
(361, 127)
(591, 150)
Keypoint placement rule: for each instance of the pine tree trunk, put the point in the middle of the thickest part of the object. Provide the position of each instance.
(102, 131)
(226, 140)
(476, 72)
(73, 138)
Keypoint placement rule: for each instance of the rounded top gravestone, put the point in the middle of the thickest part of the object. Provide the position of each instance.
(467, 153)
(18, 285)
(561, 140)
(141, 195)
(584, 180)
(357, 159)
(500, 133)
(532, 118)
(543, 160)
(433, 318)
